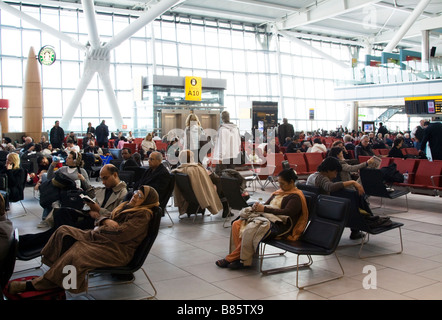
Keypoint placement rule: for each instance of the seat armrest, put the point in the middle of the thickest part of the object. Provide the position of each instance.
(435, 179)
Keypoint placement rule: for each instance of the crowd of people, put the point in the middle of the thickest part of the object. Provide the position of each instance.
(111, 225)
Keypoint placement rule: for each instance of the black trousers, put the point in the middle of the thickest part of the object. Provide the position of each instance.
(62, 216)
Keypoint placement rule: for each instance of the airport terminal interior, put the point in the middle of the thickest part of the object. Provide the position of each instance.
(327, 66)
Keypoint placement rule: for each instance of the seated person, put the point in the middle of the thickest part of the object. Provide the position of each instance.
(348, 144)
(289, 217)
(408, 142)
(296, 146)
(16, 177)
(111, 244)
(128, 161)
(328, 170)
(90, 147)
(200, 182)
(28, 146)
(364, 148)
(71, 146)
(318, 146)
(43, 163)
(396, 150)
(271, 147)
(107, 198)
(73, 170)
(156, 176)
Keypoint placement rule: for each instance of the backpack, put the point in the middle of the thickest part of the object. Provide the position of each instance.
(391, 174)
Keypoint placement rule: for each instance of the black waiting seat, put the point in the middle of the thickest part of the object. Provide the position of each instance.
(357, 221)
(140, 254)
(164, 199)
(8, 264)
(372, 181)
(321, 237)
(182, 182)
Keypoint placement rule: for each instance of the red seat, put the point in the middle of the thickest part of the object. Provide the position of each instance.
(385, 162)
(425, 170)
(297, 162)
(313, 160)
(406, 165)
(411, 151)
(363, 158)
(383, 152)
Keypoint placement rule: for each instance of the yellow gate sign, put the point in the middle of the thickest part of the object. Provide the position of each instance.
(193, 89)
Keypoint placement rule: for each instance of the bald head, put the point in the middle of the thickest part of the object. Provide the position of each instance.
(109, 176)
(155, 159)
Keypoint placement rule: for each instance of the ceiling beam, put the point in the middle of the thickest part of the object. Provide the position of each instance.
(323, 11)
(288, 35)
(268, 5)
(220, 14)
(408, 23)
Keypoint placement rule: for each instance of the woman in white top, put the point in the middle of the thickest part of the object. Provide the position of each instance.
(148, 145)
(192, 135)
(318, 146)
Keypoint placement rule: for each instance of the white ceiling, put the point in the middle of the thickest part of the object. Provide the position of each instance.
(367, 22)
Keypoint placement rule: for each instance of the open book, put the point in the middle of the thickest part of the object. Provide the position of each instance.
(87, 198)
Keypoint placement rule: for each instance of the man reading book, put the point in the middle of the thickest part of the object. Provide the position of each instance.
(106, 199)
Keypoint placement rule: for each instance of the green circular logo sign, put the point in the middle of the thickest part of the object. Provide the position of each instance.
(46, 55)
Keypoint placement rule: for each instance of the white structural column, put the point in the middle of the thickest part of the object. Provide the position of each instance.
(407, 25)
(143, 20)
(59, 35)
(89, 11)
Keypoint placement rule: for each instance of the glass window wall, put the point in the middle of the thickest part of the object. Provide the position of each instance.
(254, 69)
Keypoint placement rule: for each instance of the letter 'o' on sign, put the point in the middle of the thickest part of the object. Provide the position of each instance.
(193, 88)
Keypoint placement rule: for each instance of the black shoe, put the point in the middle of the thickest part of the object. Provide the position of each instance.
(236, 265)
(355, 235)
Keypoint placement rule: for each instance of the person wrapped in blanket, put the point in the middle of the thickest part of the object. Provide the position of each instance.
(284, 214)
(112, 243)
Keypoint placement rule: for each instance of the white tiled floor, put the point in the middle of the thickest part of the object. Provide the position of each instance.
(181, 263)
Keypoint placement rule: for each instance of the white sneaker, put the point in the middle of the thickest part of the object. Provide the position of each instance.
(43, 224)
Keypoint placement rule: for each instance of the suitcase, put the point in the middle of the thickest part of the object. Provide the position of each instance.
(52, 294)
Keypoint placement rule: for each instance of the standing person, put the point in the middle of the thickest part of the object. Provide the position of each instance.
(102, 134)
(56, 135)
(285, 130)
(418, 133)
(382, 129)
(192, 136)
(227, 145)
(433, 135)
(90, 129)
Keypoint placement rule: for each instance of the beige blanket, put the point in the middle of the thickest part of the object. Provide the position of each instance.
(202, 186)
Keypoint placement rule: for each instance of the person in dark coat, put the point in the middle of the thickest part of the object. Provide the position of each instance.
(157, 176)
(128, 161)
(433, 135)
(382, 129)
(56, 135)
(102, 134)
(285, 130)
(16, 177)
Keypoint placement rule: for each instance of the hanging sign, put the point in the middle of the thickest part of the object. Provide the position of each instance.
(193, 89)
(46, 55)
